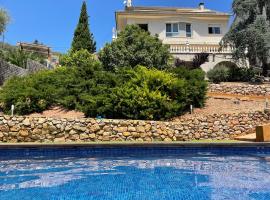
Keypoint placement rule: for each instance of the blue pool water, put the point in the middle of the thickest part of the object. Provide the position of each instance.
(135, 174)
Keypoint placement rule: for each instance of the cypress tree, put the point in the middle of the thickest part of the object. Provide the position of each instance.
(83, 38)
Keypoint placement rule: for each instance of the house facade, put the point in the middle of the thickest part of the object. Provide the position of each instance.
(188, 31)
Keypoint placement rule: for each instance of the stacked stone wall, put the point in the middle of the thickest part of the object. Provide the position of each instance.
(44, 130)
(8, 70)
(240, 89)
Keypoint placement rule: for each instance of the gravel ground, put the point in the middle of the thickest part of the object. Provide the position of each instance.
(214, 105)
(226, 105)
(57, 112)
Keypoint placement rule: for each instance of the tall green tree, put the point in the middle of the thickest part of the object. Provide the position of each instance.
(4, 20)
(133, 47)
(83, 38)
(250, 32)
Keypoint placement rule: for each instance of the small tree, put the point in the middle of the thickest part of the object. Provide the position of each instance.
(200, 59)
(83, 38)
(4, 20)
(133, 47)
(251, 31)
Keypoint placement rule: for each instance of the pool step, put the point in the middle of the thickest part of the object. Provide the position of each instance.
(247, 138)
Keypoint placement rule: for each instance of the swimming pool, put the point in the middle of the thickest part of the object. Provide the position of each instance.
(135, 173)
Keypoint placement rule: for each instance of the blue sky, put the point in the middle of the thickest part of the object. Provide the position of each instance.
(52, 22)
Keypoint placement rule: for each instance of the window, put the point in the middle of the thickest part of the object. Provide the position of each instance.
(214, 30)
(143, 26)
(178, 30)
(188, 30)
(172, 30)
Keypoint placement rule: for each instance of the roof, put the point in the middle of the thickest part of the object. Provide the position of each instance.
(32, 45)
(171, 11)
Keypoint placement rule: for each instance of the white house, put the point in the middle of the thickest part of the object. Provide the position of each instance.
(188, 31)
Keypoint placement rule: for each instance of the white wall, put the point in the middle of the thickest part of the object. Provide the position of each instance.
(199, 30)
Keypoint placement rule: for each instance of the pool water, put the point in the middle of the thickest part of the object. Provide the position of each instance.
(135, 174)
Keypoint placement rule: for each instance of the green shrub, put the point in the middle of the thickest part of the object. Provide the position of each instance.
(196, 85)
(18, 57)
(229, 72)
(132, 93)
(219, 74)
(33, 93)
(237, 74)
(133, 47)
(149, 94)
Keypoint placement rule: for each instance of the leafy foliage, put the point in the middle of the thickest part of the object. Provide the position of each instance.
(196, 63)
(4, 20)
(219, 74)
(19, 57)
(200, 59)
(251, 31)
(137, 93)
(133, 47)
(83, 38)
(196, 87)
(231, 73)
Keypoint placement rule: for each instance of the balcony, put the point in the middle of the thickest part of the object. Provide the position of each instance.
(199, 48)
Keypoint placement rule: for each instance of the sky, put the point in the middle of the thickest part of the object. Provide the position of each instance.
(53, 22)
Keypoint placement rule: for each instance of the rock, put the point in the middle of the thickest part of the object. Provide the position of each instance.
(26, 122)
(60, 140)
(135, 134)
(92, 136)
(120, 129)
(131, 129)
(197, 136)
(126, 134)
(41, 120)
(72, 132)
(84, 136)
(1, 135)
(167, 140)
(79, 128)
(93, 128)
(24, 133)
(4, 128)
(52, 128)
(37, 131)
(140, 129)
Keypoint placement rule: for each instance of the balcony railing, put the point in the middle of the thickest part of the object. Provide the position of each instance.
(198, 48)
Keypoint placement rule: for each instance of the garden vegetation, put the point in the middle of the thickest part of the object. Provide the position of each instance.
(131, 78)
(84, 85)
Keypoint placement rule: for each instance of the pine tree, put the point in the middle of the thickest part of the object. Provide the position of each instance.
(83, 38)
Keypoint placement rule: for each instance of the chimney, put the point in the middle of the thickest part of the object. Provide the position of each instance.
(201, 6)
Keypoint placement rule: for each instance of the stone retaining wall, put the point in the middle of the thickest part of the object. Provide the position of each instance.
(8, 70)
(25, 129)
(240, 89)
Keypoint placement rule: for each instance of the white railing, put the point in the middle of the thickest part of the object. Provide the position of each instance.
(200, 48)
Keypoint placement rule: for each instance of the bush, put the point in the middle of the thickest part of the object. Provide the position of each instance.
(219, 74)
(33, 93)
(200, 59)
(196, 63)
(18, 57)
(196, 85)
(229, 72)
(131, 93)
(241, 74)
(133, 47)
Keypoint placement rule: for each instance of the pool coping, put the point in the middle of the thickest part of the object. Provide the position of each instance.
(138, 145)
